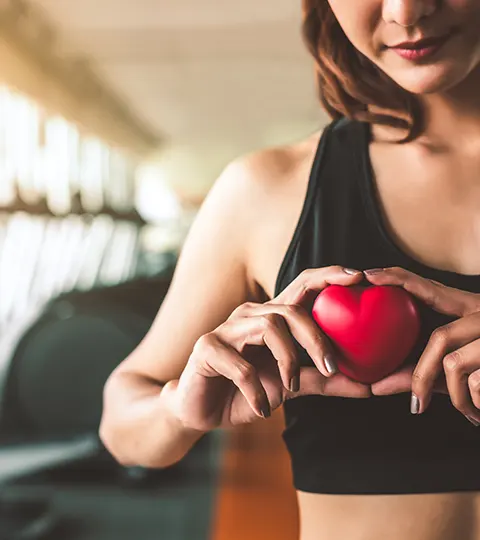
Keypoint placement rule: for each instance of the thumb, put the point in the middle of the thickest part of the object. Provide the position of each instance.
(312, 382)
(401, 381)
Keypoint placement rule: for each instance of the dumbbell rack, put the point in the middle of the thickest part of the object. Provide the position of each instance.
(67, 209)
(42, 256)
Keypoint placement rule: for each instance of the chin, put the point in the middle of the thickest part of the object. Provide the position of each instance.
(429, 79)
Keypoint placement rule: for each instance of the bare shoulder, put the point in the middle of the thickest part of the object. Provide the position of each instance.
(276, 167)
(277, 183)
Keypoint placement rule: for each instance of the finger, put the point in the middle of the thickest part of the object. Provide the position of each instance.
(401, 381)
(306, 332)
(439, 297)
(474, 387)
(314, 383)
(315, 280)
(219, 359)
(270, 330)
(458, 365)
(396, 383)
(443, 340)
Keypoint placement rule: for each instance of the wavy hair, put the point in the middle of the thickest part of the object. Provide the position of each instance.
(349, 84)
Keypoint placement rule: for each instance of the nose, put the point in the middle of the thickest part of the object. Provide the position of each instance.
(407, 12)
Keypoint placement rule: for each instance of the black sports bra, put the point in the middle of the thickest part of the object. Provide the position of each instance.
(360, 446)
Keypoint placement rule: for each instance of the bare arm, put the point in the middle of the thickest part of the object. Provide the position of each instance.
(210, 281)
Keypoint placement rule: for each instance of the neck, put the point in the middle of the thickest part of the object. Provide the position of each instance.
(452, 118)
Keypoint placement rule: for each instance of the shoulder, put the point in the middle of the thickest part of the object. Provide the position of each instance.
(267, 172)
(266, 190)
(251, 187)
(267, 183)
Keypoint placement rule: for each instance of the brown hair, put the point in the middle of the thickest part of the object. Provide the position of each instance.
(349, 84)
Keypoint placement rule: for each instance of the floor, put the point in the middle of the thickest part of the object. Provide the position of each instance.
(256, 499)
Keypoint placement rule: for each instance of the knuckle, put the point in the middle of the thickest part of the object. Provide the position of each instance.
(452, 362)
(205, 346)
(304, 281)
(205, 342)
(440, 336)
(419, 379)
(474, 381)
(245, 373)
(242, 309)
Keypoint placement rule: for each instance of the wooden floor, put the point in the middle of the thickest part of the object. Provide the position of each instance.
(256, 499)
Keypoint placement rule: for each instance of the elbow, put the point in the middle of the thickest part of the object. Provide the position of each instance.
(110, 430)
(110, 441)
(120, 433)
(116, 446)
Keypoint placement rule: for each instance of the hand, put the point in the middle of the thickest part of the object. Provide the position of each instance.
(452, 350)
(248, 365)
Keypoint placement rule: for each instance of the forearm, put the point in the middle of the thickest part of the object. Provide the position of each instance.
(137, 426)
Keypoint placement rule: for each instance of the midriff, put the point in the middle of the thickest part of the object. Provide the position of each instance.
(444, 516)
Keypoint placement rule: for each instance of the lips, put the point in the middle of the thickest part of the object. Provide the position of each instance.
(420, 49)
(421, 43)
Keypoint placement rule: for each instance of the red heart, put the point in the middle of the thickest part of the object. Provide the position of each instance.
(373, 327)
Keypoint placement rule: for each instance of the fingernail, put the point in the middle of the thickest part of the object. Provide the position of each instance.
(476, 423)
(374, 271)
(295, 384)
(351, 271)
(266, 410)
(330, 364)
(414, 404)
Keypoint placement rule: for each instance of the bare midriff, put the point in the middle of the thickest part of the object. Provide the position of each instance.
(441, 516)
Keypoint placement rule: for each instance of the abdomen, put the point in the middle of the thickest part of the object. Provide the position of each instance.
(441, 516)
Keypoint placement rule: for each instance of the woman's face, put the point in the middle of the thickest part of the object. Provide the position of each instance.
(377, 28)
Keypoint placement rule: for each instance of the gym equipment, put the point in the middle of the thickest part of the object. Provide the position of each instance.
(74, 297)
(52, 373)
(44, 255)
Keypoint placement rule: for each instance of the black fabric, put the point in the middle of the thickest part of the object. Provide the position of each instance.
(361, 446)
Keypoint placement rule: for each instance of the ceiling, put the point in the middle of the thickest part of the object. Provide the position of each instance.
(214, 79)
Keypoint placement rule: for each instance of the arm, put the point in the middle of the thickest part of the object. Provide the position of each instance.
(210, 281)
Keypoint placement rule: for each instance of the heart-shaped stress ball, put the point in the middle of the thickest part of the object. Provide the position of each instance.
(374, 328)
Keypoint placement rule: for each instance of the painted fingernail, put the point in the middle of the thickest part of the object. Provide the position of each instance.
(330, 364)
(351, 271)
(414, 404)
(476, 423)
(295, 384)
(374, 271)
(266, 410)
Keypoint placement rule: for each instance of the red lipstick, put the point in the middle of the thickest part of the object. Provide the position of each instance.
(423, 48)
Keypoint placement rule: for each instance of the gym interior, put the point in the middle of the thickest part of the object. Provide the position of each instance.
(116, 118)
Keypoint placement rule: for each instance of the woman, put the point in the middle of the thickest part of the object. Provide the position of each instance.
(392, 183)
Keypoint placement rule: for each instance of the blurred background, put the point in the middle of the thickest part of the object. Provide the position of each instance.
(116, 117)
